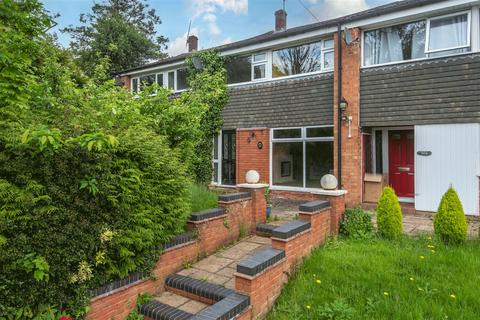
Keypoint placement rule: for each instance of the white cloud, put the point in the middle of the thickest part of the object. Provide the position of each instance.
(208, 10)
(227, 40)
(327, 9)
(179, 45)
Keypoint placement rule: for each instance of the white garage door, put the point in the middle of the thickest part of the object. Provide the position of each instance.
(447, 155)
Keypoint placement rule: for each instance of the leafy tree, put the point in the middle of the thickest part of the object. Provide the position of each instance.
(450, 223)
(389, 214)
(122, 30)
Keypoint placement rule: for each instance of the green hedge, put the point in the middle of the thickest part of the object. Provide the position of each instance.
(450, 223)
(92, 180)
(389, 214)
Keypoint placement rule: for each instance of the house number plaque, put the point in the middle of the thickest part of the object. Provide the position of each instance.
(424, 153)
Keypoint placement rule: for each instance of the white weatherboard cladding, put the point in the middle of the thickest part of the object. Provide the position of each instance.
(455, 160)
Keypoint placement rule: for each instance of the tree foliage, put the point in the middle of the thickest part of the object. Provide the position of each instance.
(121, 30)
(450, 223)
(389, 214)
(92, 180)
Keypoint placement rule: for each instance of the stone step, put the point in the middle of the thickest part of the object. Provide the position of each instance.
(214, 302)
(265, 229)
(155, 310)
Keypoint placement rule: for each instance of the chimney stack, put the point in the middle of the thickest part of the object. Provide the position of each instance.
(280, 20)
(192, 43)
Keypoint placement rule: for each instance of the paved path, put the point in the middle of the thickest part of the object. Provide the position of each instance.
(220, 267)
(418, 224)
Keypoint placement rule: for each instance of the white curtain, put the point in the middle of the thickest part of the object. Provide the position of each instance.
(448, 32)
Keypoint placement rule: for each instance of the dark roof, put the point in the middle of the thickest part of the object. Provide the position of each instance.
(271, 35)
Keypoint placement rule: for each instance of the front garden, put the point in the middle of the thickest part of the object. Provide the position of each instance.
(406, 278)
(385, 274)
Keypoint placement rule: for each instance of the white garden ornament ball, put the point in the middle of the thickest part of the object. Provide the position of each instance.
(329, 182)
(252, 177)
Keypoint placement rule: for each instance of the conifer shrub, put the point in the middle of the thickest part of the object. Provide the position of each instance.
(450, 223)
(389, 214)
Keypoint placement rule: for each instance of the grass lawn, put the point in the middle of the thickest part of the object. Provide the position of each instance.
(410, 278)
(201, 198)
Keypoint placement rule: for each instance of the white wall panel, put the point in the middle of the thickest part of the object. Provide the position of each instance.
(455, 160)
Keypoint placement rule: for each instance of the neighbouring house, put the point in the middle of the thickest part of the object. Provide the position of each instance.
(389, 95)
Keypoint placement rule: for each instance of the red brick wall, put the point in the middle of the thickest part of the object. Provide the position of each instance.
(351, 147)
(125, 82)
(265, 287)
(211, 235)
(119, 303)
(249, 157)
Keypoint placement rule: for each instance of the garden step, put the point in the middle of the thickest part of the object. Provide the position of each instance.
(196, 289)
(214, 302)
(155, 310)
(265, 229)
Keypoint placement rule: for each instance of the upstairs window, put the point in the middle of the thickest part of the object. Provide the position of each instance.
(448, 33)
(259, 70)
(182, 79)
(239, 69)
(432, 37)
(146, 81)
(397, 43)
(297, 60)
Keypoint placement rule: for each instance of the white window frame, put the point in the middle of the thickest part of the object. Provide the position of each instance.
(470, 23)
(218, 161)
(469, 30)
(303, 138)
(259, 63)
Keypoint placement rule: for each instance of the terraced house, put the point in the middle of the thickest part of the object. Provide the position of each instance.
(384, 96)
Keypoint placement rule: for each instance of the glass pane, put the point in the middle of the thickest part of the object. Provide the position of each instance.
(287, 133)
(296, 60)
(287, 164)
(448, 32)
(378, 152)
(259, 57)
(328, 44)
(397, 43)
(160, 79)
(147, 80)
(328, 60)
(215, 147)
(182, 79)
(171, 80)
(239, 69)
(321, 132)
(319, 162)
(215, 172)
(259, 71)
(135, 85)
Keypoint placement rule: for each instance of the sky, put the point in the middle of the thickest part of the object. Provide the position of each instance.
(216, 22)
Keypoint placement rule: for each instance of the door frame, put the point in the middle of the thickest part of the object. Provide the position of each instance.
(385, 150)
(232, 131)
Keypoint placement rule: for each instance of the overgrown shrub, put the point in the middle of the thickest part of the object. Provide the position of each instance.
(91, 180)
(450, 223)
(356, 224)
(389, 214)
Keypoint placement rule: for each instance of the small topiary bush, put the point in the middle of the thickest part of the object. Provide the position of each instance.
(450, 223)
(356, 224)
(389, 214)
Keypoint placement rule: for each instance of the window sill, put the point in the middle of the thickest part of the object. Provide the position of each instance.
(318, 191)
(417, 60)
(233, 85)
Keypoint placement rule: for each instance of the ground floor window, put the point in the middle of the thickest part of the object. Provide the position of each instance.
(301, 156)
(216, 157)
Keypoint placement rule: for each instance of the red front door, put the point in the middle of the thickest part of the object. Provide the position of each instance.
(401, 162)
